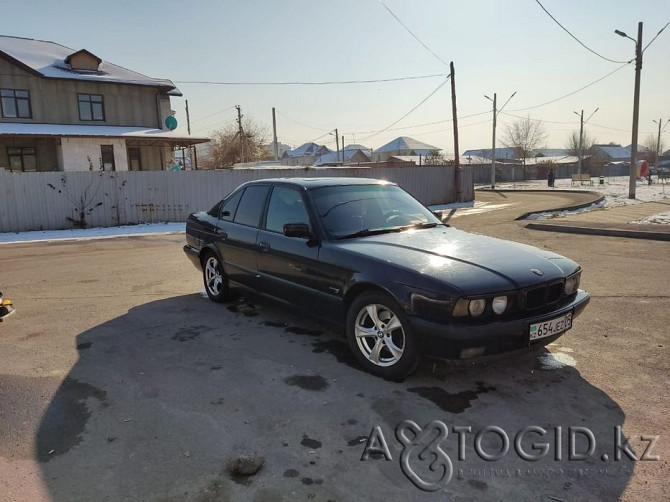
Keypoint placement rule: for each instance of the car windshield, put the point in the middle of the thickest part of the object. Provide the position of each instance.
(356, 210)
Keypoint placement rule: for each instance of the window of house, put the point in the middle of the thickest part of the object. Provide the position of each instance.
(134, 159)
(91, 107)
(107, 156)
(15, 103)
(251, 206)
(23, 159)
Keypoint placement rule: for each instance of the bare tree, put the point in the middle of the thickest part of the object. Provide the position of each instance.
(524, 135)
(572, 143)
(227, 144)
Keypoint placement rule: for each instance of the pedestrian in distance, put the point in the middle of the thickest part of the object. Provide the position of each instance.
(551, 177)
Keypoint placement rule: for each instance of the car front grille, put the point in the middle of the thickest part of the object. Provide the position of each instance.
(541, 296)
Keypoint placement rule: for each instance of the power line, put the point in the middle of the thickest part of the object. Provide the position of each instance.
(425, 124)
(409, 112)
(326, 82)
(413, 34)
(300, 123)
(215, 113)
(657, 34)
(578, 41)
(573, 92)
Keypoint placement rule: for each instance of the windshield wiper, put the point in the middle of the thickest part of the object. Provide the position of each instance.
(420, 225)
(367, 231)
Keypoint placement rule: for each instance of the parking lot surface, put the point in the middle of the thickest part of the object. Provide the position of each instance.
(119, 380)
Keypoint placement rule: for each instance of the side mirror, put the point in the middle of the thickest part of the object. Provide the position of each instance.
(297, 230)
(438, 214)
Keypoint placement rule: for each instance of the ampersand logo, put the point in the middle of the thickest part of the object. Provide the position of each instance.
(424, 446)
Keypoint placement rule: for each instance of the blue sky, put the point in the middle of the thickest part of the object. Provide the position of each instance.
(496, 46)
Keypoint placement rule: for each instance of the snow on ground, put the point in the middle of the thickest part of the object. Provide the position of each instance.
(658, 218)
(93, 233)
(615, 190)
(563, 214)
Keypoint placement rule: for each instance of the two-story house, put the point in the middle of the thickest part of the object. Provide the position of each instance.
(63, 110)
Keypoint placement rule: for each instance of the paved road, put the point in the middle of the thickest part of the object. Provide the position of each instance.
(119, 381)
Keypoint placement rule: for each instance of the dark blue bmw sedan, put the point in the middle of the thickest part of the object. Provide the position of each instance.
(366, 254)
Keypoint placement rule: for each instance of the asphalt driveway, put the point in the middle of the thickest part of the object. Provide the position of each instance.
(120, 381)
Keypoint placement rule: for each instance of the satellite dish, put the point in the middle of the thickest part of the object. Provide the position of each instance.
(171, 123)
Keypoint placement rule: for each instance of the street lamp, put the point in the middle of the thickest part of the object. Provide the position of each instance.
(493, 147)
(636, 106)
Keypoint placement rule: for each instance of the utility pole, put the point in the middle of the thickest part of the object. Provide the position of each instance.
(343, 149)
(337, 143)
(458, 174)
(658, 140)
(580, 152)
(581, 136)
(191, 148)
(240, 131)
(636, 107)
(274, 134)
(493, 147)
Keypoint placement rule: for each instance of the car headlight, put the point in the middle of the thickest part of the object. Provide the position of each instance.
(571, 284)
(476, 307)
(499, 304)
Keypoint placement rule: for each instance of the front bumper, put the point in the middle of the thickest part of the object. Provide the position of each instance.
(457, 340)
(193, 255)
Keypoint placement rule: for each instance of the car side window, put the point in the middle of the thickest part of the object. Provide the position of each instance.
(229, 207)
(286, 206)
(251, 205)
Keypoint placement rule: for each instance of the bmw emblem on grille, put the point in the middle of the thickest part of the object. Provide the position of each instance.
(537, 272)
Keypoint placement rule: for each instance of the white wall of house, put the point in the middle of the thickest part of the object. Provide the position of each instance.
(74, 153)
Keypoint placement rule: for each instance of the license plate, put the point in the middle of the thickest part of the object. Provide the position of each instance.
(551, 327)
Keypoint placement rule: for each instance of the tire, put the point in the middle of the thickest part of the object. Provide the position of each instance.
(378, 332)
(214, 279)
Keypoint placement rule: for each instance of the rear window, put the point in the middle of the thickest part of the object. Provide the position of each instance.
(250, 208)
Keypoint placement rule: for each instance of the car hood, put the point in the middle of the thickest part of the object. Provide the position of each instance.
(473, 263)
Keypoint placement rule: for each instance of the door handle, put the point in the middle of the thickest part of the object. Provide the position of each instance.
(221, 233)
(264, 246)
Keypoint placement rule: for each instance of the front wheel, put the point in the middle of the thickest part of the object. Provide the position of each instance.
(216, 283)
(379, 335)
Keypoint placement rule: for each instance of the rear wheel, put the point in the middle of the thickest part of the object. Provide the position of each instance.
(216, 283)
(379, 335)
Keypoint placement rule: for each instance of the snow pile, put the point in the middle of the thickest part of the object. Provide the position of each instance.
(93, 233)
(658, 219)
(563, 214)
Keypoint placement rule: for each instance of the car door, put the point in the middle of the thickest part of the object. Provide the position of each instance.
(288, 266)
(237, 233)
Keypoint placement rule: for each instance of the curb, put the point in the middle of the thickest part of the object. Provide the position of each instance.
(608, 232)
(566, 208)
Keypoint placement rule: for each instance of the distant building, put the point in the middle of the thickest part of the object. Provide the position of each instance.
(304, 155)
(350, 157)
(611, 153)
(63, 109)
(281, 148)
(485, 153)
(403, 146)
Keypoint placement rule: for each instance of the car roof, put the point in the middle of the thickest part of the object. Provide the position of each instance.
(309, 183)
